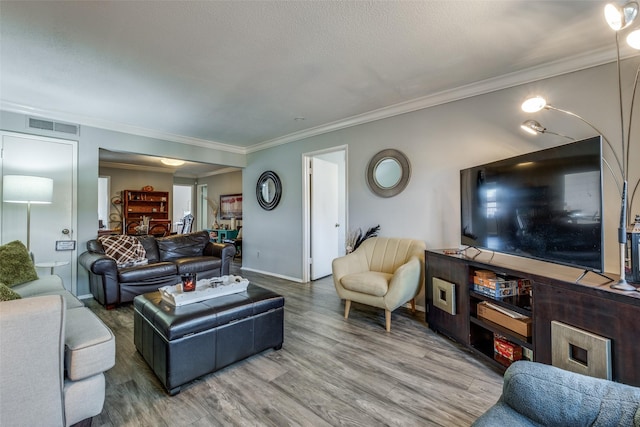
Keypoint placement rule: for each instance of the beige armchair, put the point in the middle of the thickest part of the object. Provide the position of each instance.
(383, 272)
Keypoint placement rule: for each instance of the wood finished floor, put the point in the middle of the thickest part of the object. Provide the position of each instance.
(330, 372)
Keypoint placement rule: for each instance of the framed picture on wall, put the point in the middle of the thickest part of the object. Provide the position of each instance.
(231, 206)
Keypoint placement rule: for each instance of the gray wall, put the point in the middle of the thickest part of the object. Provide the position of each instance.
(439, 141)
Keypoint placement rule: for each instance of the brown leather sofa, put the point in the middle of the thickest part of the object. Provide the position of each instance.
(168, 258)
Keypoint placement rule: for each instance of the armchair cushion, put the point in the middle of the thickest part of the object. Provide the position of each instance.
(368, 282)
(16, 265)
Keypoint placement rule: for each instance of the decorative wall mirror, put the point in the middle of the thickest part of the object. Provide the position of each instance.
(388, 173)
(268, 190)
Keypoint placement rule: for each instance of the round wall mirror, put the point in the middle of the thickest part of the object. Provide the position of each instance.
(388, 173)
(268, 190)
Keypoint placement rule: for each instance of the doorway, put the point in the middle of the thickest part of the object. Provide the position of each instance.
(182, 205)
(325, 210)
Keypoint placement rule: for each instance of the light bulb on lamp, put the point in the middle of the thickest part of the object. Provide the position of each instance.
(534, 127)
(534, 104)
(633, 39)
(619, 17)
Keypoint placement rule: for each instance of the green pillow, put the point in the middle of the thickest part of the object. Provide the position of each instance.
(8, 294)
(16, 265)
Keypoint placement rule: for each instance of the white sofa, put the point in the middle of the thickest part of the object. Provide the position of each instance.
(53, 355)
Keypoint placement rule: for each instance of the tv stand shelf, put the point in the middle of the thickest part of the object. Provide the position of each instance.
(590, 305)
(494, 327)
(519, 303)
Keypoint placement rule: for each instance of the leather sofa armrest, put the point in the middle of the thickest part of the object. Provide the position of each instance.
(32, 355)
(224, 251)
(103, 274)
(98, 263)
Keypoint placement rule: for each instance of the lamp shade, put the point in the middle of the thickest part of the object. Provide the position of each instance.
(533, 127)
(27, 189)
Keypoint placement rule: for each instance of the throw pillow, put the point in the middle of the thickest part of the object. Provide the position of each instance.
(16, 266)
(126, 250)
(8, 294)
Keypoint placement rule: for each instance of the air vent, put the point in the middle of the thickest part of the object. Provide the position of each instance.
(40, 124)
(53, 126)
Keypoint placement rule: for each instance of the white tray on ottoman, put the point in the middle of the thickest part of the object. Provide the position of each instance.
(205, 289)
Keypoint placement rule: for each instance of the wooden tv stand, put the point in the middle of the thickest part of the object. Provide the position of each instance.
(590, 305)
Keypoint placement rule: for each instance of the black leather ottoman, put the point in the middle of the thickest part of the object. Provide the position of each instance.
(183, 343)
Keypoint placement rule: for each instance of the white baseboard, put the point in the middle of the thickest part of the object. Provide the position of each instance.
(267, 273)
(87, 296)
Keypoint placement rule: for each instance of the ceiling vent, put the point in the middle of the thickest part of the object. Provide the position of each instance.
(52, 126)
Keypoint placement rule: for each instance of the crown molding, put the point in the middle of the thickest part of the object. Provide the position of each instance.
(117, 127)
(127, 166)
(219, 172)
(505, 81)
(563, 66)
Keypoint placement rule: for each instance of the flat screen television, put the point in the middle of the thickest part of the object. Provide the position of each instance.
(545, 205)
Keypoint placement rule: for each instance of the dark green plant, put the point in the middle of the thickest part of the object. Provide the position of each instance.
(356, 238)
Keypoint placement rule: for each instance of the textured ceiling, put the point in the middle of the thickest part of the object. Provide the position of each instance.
(241, 72)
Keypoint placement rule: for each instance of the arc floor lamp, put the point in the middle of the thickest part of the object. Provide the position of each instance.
(618, 18)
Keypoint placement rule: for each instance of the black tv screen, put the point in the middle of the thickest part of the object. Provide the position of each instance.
(545, 205)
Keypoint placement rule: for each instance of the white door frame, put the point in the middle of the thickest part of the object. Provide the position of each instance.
(74, 195)
(306, 204)
(201, 207)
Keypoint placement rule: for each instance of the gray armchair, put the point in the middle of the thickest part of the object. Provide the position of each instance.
(534, 394)
(383, 272)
